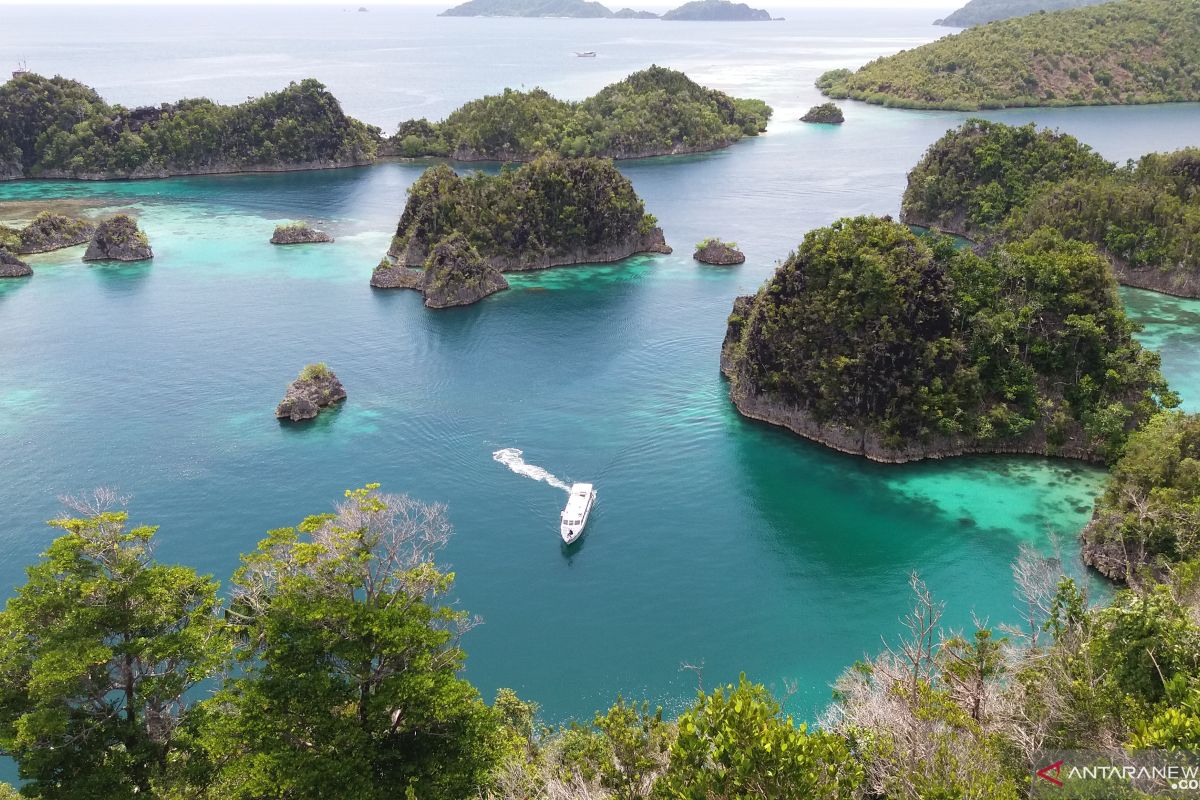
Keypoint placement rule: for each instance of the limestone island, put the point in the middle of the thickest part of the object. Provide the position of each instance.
(1122, 53)
(49, 231)
(825, 114)
(877, 342)
(118, 239)
(629, 13)
(13, 267)
(990, 182)
(714, 251)
(299, 233)
(60, 128)
(579, 9)
(981, 12)
(550, 212)
(716, 11)
(454, 274)
(314, 389)
(655, 112)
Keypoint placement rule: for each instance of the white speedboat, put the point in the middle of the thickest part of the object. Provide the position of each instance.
(575, 515)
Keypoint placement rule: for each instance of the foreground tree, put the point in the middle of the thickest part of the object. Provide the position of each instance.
(98, 652)
(348, 683)
(736, 743)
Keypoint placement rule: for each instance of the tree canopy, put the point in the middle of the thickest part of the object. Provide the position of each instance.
(1134, 51)
(657, 111)
(869, 327)
(58, 126)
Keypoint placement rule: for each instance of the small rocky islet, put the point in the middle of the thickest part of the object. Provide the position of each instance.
(49, 231)
(315, 388)
(298, 233)
(13, 267)
(716, 252)
(118, 239)
(825, 114)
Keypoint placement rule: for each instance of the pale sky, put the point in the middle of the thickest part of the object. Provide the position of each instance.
(946, 4)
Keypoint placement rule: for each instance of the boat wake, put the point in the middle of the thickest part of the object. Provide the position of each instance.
(511, 458)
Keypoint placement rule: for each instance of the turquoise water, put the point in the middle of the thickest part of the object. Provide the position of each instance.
(714, 540)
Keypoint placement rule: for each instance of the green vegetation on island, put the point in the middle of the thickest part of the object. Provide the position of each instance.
(826, 113)
(716, 11)
(981, 12)
(549, 212)
(654, 112)
(331, 665)
(55, 127)
(528, 8)
(1148, 519)
(990, 181)
(878, 342)
(1133, 51)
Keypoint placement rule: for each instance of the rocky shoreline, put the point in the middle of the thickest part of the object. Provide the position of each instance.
(470, 156)
(414, 255)
(48, 232)
(13, 267)
(166, 172)
(453, 275)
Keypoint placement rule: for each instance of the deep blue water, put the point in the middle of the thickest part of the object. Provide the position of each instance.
(715, 539)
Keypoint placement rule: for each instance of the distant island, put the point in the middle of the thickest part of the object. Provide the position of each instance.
(655, 112)
(547, 213)
(981, 12)
(716, 11)
(581, 9)
(878, 342)
(1121, 53)
(992, 182)
(60, 128)
(711, 10)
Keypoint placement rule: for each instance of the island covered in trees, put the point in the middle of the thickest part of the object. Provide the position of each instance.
(1128, 52)
(654, 112)
(716, 11)
(981, 12)
(878, 342)
(60, 128)
(529, 8)
(989, 182)
(547, 213)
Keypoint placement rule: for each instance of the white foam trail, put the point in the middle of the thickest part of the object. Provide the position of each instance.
(511, 458)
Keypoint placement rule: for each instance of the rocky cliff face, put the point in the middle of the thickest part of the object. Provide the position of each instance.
(118, 239)
(299, 233)
(13, 267)
(1179, 283)
(316, 388)
(714, 251)
(414, 252)
(50, 231)
(452, 275)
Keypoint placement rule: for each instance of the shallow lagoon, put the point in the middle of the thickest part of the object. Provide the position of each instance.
(715, 539)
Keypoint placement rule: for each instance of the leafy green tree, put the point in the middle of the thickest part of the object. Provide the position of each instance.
(101, 652)
(348, 680)
(736, 743)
